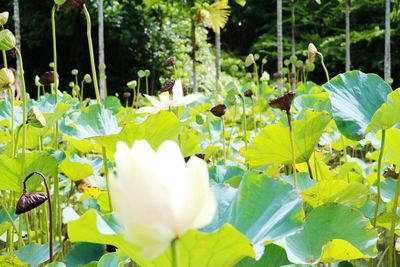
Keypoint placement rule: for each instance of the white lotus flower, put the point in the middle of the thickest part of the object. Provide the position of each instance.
(157, 196)
(178, 99)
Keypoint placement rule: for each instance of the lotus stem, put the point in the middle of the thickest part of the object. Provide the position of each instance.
(289, 116)
(12, 222)
(147, 85)
(393, 225)
(244, 121)
(379, 177)
(50, 210)
(105, 163)
(382, 257)
(223, 139)
(91, 54)
(323, 66)
(174, 246)
(11, 97)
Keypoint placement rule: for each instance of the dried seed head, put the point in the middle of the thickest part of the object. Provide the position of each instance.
(219, 110)
(278, 75)
(185, 89)
(47, 78)
(283, 102)
(126, 95)
(391, 172)
(248, 93)
(170, 62)
(167, 86)
(71, 4)
(29, 201)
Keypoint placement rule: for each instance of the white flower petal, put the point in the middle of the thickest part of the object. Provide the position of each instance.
(147, 109)
(177, 90)
(200, 205)
(155, 102)
(164, 98)
(187, 100)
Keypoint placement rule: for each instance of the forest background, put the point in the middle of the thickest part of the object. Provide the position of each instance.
(139, 37)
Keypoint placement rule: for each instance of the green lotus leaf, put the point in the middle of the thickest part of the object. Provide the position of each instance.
(35, 254)
(332, 233)
(274, 256)
(272, 144)
(355, 97)
(84, 253)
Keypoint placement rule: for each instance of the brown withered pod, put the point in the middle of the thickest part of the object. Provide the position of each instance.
(29, 201)
(283, 102)
(219, 110)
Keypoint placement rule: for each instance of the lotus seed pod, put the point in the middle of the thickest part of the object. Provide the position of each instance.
(248, 93)
(170, 62)
(7, 78)
(47, 78)
(283, 102)
(74, 72)
(219, 110)
(167, 87)
(310, 66)
(29, 201)
(312, 52)
(249, 60)
(146, 73)
(59, 2)
(141, 73)
(3, 18)
(35, 118)
(74, 4)
(265, 77)
(256, 57)
(126, 94)
(71, 84)
(51, 65)
(285, 70)
(87, 78)
(7, 40)
(102, 67)
(299, 64)
(132, 84)
(293, 59)
(286, 62)
(264, 61)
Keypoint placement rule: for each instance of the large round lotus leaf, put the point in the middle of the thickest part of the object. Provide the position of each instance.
(265, 210)
(228, 245)
(272, 144)
(332, 233)
(355, 97)
(388, 114)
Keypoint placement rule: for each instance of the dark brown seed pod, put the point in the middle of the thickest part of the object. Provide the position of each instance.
(47, 78)
(167, 87)
(126, 95)
(185, 89)
(29, 201)
(248, 93)
(71, 4)
(170, 62)
(283, 102)
(391, 172)
(219, 110)
(278, 75)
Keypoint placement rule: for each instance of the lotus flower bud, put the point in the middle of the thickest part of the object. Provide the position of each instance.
(265, 77)
(37, 81)
(35, 118)
(87, 78)
(47, 78)
(170, 62)
(29, 201)
(248, 93)
(3, 18)
(7, 40)
(249, 60)
(312, 52)
(74, 72)
(132, 84)
(219, 110)
(7, 78)
(283, 102)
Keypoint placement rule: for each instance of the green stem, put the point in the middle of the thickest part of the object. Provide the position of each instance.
(11, 98)
(81, 94)
(12, 222)
(147, 85)
(4, 58)
(289, 116)
(91, 54)
(105, 163)
(223, 139)
(323, 66)
(174, 257)
(393, 225)
(379, 177)
(244, 121)
(254, 114)
(382, 257)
